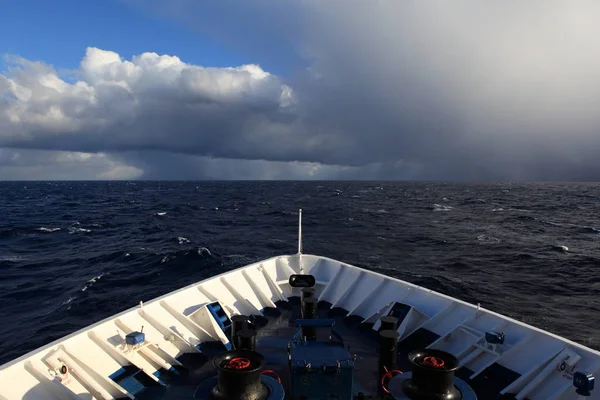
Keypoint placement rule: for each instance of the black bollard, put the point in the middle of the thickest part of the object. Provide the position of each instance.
(306, 293)
(388, 351)
(309, 308)
(238, 323)
(247, 339)
(388, 323)
(309, 311)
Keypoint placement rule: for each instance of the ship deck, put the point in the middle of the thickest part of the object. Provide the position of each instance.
(276, 328)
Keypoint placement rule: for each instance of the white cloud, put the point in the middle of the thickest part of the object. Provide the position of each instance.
(153, 101)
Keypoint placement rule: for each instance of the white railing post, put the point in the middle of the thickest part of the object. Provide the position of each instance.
(299, 231)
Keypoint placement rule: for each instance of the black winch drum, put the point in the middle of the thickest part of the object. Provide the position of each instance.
(432, 378)
(239, 376)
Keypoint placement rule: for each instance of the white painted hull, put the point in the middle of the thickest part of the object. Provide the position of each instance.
(177, 323)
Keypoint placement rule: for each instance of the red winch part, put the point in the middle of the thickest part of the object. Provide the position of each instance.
(387, 376)
(434, 362)
(238, 363)
(270, 371)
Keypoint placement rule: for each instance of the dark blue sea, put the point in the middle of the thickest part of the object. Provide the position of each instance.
(72, 253)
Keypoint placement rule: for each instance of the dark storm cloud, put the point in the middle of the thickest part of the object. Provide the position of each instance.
(453, 89)
(392, 90)
(160, 165)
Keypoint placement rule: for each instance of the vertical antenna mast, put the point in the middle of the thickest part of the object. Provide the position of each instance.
(300, 231)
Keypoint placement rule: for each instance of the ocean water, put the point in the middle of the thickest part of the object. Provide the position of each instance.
(72, 253)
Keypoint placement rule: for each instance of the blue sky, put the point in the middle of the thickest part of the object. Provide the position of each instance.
(58, 32)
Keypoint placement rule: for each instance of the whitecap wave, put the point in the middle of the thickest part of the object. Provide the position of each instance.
(560, 247)
(78, 230)
(182, 240)
(487, 239)
(95, 279)
(68, 302)
(441, 207)
(92, 281)
(378, 211)
(549, 222)
(44, 229)
(11, 258)
(203, 251)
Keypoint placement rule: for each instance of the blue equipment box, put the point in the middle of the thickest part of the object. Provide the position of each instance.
(321, 370)
(135, 338)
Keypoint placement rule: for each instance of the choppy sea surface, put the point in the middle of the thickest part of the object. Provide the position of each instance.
(72, 253)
